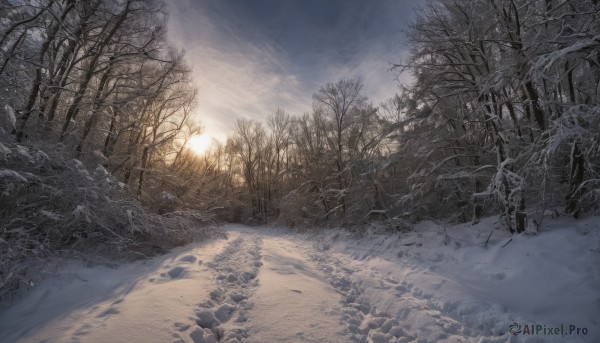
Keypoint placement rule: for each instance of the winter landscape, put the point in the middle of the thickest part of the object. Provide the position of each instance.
(292, 171)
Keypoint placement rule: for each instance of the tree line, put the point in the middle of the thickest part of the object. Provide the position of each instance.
(99, 77)
(505, 102)
(95, 110)
(501, 117)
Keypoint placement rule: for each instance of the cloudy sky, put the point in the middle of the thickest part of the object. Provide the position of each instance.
(251, 57)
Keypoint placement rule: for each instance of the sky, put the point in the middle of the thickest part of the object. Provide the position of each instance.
(249, 58)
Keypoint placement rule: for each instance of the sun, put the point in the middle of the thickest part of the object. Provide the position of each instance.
(199, 143)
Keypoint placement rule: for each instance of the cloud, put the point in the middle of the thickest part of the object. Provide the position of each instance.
(236, 77)
(247, 63)
(372, 34)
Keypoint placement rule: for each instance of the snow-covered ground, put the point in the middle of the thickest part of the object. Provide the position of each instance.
(433, 284)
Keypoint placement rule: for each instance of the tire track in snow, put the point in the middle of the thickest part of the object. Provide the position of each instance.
(222, 317)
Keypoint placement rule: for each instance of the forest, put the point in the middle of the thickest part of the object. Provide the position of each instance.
(502, 117)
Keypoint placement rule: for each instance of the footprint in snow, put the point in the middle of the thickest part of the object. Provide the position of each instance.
(236, 269)
(188, 259)
(176, 273)
(182, 326)
(108, 312)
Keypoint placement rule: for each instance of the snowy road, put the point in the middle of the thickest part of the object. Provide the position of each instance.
(263, 285)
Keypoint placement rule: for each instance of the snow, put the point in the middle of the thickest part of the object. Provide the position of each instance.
(9, 119)
(266, 284)
(136, 302)
(81, 211)
(545, 62)
(4, 151)
(294, 302)
(24, 152)
(51, 215)
(9, 174)
(168, 196)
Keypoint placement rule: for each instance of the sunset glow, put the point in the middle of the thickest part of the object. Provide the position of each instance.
(199, 143)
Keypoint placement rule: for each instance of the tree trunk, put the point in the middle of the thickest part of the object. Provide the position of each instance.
(33, 94)
(74, 108)
(535, 106)
(145, 155)
(577, 169)
(98, 102)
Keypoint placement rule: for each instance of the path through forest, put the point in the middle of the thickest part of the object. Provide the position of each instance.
(265, 285)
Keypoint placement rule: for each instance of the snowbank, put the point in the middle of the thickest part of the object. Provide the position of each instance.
(437, 283)
(444, 283)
